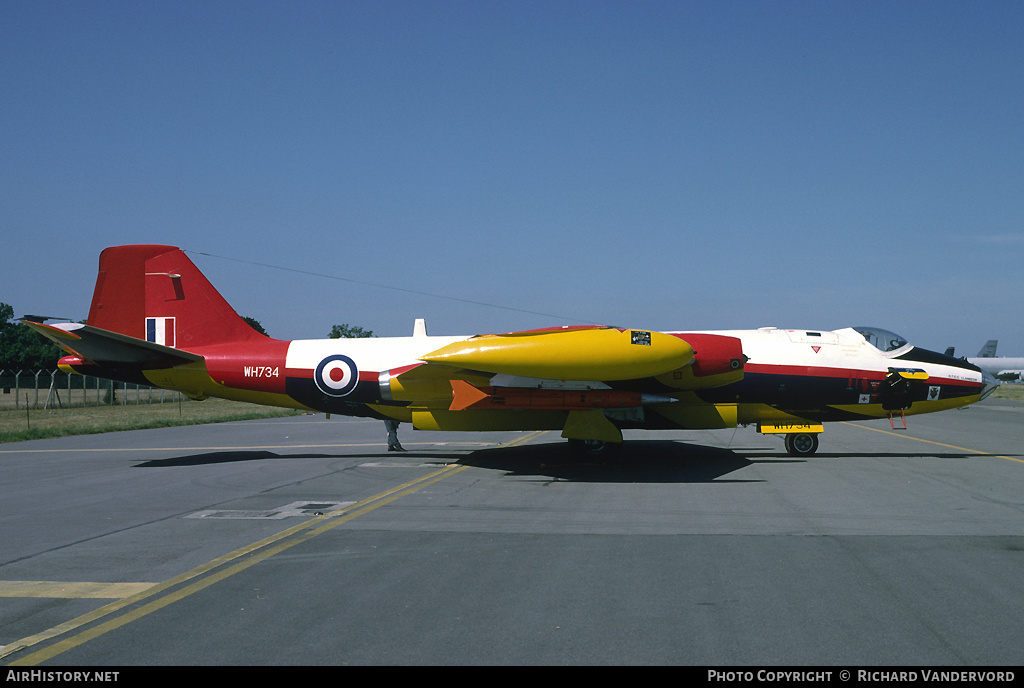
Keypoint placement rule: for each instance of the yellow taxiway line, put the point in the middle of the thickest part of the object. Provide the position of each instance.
(938, 444)
(170, 591)
(70, 590)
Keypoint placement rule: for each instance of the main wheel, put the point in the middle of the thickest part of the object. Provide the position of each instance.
(801, 444)
(595, 449)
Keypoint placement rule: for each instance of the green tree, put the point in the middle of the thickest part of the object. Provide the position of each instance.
(254, 324)
(346, 331)
(23, 349)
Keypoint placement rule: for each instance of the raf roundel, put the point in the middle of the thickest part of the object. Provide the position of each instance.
(336, 376)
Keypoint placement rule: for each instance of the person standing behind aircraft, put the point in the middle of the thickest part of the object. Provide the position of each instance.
(393, 444)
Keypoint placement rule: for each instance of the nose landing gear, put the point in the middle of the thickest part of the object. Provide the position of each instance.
(801, 444)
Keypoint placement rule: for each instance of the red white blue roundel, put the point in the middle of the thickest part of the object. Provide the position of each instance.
(336, 375)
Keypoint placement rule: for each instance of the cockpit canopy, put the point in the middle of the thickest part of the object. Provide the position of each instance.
(883, 340)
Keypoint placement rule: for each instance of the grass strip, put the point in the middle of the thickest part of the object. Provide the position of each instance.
(18, 425)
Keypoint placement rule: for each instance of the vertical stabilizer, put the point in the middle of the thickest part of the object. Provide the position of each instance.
(989, 350)
(157, 294)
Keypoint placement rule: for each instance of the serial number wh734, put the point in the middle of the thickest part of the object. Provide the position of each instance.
(261, 371)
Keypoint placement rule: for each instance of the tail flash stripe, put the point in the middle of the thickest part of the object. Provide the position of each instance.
(160, 331)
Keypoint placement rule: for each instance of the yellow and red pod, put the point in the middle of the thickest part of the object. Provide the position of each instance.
(583, 353)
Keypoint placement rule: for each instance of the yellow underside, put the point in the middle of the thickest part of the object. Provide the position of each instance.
(692, 413)
(918, 407)
(763, 413)
(193, 381)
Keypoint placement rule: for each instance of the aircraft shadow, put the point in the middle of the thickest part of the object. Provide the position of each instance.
(654, 461)
(639, 461)
(211, 458)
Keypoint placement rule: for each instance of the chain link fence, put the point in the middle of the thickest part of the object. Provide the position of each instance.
(40, 389)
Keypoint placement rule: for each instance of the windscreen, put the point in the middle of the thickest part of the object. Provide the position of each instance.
(883, 340)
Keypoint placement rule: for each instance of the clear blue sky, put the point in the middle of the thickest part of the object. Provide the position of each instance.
(660, 165)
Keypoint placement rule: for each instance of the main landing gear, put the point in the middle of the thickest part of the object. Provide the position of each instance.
(801, 443)
(595, 449)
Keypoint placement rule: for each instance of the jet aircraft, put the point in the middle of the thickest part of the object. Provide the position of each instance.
(156, 320)
(1001, 367)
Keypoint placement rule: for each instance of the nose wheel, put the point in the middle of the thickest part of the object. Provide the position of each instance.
(801, 444)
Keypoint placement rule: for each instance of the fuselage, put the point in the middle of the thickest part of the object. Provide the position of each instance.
(783, 376)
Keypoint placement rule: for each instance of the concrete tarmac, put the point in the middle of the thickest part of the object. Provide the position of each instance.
(302, 541)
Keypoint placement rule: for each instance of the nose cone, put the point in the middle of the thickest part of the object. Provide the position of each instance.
(988, 384)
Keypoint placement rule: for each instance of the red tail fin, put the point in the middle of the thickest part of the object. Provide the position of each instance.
(157, 294)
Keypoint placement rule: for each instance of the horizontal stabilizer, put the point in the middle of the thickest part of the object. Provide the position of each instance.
(111, 349)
